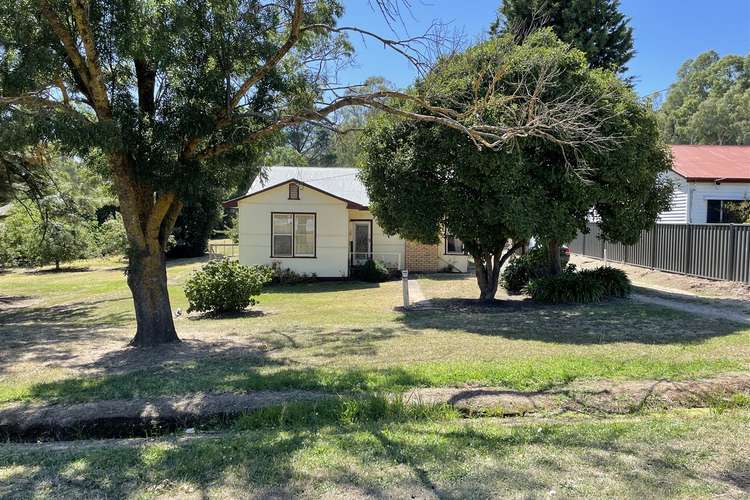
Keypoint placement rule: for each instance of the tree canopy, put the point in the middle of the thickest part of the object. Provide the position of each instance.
(597, 27)
(424, 179)
(177, 96)
(710, 101)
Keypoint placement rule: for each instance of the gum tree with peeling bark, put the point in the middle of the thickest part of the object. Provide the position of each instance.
(176, 95)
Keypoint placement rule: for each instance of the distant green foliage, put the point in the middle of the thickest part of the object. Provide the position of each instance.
(580, 287)
(29, 240)
(372, 271)
(111, 237)
(196, 222)
(710, 101)
(597, 27)
(224, 285)
(524, 268)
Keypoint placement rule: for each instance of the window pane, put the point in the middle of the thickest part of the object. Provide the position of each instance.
(282, 245)
(714, 211)
(282, 224)
(453, 245)
(735, 212)
(304, 235)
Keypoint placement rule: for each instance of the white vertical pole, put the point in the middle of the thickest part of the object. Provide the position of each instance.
(405, 286)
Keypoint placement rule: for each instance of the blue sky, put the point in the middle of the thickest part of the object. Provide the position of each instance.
(666, 33)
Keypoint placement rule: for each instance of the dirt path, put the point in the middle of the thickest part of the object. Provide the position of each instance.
(685, 304)
(123, 418)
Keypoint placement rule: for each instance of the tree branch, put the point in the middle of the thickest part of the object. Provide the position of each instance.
(260, 73)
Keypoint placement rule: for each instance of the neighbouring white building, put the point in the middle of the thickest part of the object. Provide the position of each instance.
(316, 220)
(706, 177)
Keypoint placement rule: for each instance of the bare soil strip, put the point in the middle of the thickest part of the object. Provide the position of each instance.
(594, 397)
(142, 417)
(136, 417)
(693, 308)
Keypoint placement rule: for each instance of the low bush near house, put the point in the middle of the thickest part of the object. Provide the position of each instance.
(285, 276)
(580, 287)
(223, 286)
(372, 271)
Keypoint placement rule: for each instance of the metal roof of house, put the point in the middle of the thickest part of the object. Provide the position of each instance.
(339, 182)
(712, 163)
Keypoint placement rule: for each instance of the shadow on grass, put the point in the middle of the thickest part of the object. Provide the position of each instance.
(49, 334)
(613, 321)
(450, 460)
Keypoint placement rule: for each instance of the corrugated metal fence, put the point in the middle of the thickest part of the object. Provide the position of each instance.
(716, 251)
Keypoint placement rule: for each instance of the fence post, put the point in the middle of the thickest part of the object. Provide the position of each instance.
(653, 246)
(732, 251)
(688, 248)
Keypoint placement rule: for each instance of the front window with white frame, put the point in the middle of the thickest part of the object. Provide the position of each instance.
(293, 235)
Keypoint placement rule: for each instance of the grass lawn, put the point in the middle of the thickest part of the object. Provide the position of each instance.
(63, 337)
(681, 454)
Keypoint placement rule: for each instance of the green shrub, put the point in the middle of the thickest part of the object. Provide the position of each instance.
(616, 283)
(523, 269)
(285, 276)
(582, 287)
(372, 271)
(225, 286)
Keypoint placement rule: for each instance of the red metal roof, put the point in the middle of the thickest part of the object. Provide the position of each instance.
(712, 163)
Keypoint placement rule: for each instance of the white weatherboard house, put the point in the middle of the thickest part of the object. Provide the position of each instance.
(316, 220)
(706, 177)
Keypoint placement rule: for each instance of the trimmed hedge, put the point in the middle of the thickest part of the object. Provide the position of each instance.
(224, 285)
(580, 287)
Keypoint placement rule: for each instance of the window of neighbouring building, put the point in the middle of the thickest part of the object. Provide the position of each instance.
(293, 235)
(727, 211)
(453, 245)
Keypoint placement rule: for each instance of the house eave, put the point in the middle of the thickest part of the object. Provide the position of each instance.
(234, 202)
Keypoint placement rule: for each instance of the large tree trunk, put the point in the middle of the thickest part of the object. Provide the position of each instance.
(555, 264)
(147, 279)
(149, 217)
(488, 266)
(487, 276)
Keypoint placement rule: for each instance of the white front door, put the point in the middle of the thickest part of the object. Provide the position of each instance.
(361, 242)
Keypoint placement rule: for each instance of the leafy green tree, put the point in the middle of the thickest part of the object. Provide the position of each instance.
(710, 101)
(423, 178)
(171, 94)
(178, 94)
(37, 239)
(597, 27)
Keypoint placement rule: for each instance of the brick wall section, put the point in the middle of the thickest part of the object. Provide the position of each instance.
(421, 258)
